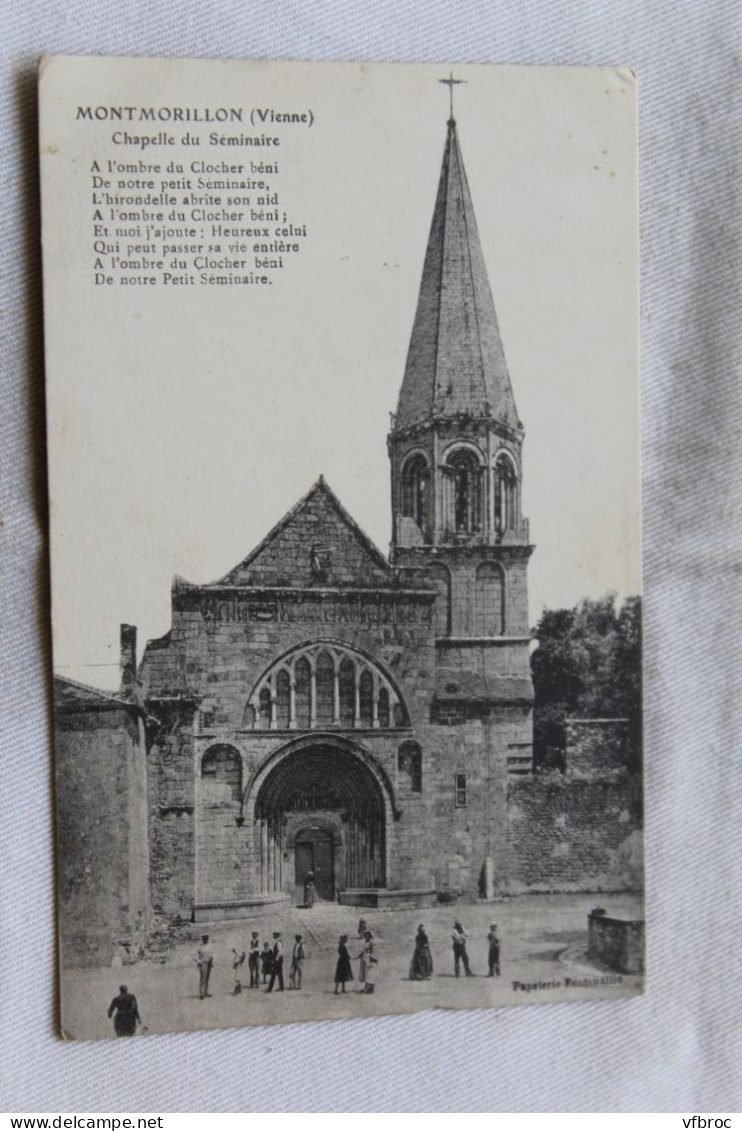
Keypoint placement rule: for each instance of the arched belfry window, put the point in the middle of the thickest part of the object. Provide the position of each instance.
(415, 490)
(465, 493)
(325, 685)
(505, 494)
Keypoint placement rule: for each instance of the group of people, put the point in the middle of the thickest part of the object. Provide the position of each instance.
(421, 966)
(461, 955)
(368, 961)
(268, 962)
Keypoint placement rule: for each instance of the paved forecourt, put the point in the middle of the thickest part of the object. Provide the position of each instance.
(543, 943)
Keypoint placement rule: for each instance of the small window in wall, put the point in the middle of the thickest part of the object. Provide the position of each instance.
(410, 762)
(205, 720)
(400, 719)
(460, 798)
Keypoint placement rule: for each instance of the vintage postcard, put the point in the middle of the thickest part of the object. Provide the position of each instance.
(342, 369)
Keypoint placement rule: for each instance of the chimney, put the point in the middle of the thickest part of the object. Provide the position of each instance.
(128, 660)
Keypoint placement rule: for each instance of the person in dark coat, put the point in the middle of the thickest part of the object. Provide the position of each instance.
(493, 953)
(127, 1013)
(421, 967)
(343, 969)
(266, 961)
(276, 963)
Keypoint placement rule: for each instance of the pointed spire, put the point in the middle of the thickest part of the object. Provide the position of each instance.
(456, 363)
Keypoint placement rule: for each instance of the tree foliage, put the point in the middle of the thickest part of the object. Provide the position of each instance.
(588, 664)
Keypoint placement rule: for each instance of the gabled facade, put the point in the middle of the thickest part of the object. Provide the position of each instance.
(289, 694)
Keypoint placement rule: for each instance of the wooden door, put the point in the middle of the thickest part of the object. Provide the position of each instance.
(315, 852)
(324, 867)
(304, 861)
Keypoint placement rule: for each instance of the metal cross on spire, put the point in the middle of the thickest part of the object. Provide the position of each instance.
(451, 82)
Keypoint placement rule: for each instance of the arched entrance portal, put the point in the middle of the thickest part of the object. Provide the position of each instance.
(321, 809)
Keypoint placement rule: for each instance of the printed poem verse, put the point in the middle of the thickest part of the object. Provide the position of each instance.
(190, 222)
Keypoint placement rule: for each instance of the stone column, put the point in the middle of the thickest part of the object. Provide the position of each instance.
(274, 861)
(278, 850)
(489, 878)
(264, 857)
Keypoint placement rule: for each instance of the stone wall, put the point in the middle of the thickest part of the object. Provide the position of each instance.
(574, 835)
(461, 564)
(616, 943)
(171, 779)
(100, 827)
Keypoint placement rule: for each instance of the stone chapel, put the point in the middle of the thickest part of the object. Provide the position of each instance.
(323, 707)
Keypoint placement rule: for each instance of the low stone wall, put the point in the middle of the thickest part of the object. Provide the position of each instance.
(240, 909)
(616, 943)
(389, 900)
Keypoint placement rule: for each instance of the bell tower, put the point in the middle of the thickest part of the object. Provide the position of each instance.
(456, 441)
